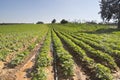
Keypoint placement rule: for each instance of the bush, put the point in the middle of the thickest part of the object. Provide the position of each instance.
(63, 21)
(40, 22)
(53, 21)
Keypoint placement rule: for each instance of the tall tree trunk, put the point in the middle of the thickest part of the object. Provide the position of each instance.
(119, 24)
(119, 17)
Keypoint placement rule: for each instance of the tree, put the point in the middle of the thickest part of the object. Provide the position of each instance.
(53, 21)
(63, 21)
(110, 9)
(40, 22)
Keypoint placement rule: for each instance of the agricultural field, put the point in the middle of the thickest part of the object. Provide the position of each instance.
(59, 52)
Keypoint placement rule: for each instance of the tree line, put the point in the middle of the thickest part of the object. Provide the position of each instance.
(63, 21)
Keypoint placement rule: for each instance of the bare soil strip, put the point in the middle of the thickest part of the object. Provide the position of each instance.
(79, 74)
(24, 72)
(116, 75)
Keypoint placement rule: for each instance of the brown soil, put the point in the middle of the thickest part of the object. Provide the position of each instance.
(1, 65)
(24, 72)
(50, 74)
(117, 75)
(79, 74)
(7, 74)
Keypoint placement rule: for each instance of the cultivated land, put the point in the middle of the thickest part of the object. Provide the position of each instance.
(59, 52)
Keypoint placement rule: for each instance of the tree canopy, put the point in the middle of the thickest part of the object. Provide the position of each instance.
(40, 22)
(110, 9)
(53, 21)
(63, 21)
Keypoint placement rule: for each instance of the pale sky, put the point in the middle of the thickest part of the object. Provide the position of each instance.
(46, 10)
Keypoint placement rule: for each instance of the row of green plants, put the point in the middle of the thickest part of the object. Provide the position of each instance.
(65, 63)
(107, 45)
(105, 59)
(14, 38)
(101, 72)
(13, 43)
(81, 27)
(43, 60)
(20, 57)
(106, 49)
(112, 40)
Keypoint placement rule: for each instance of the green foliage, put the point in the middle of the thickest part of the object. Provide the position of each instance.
(53, 21)
(63, 21)
(31, 47)
(108, 60)
(66, 61)
(89, 62)
(101, 72)
(44, 60)
(40, 75)
(40, 22)
(97, 50)
(14, 38)
(19, 59)
(110, 9)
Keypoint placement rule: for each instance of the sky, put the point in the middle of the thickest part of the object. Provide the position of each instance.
(25, 11)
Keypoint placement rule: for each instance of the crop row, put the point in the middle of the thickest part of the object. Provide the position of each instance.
(111, 40)
(101, 72)
(20, 57)
(43, 60)
(107, 50)
(14, 39)
(105, 59)
(65, 63)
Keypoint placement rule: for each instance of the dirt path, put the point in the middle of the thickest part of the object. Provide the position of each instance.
(24, 72)
(116, 75)
(79, 74)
